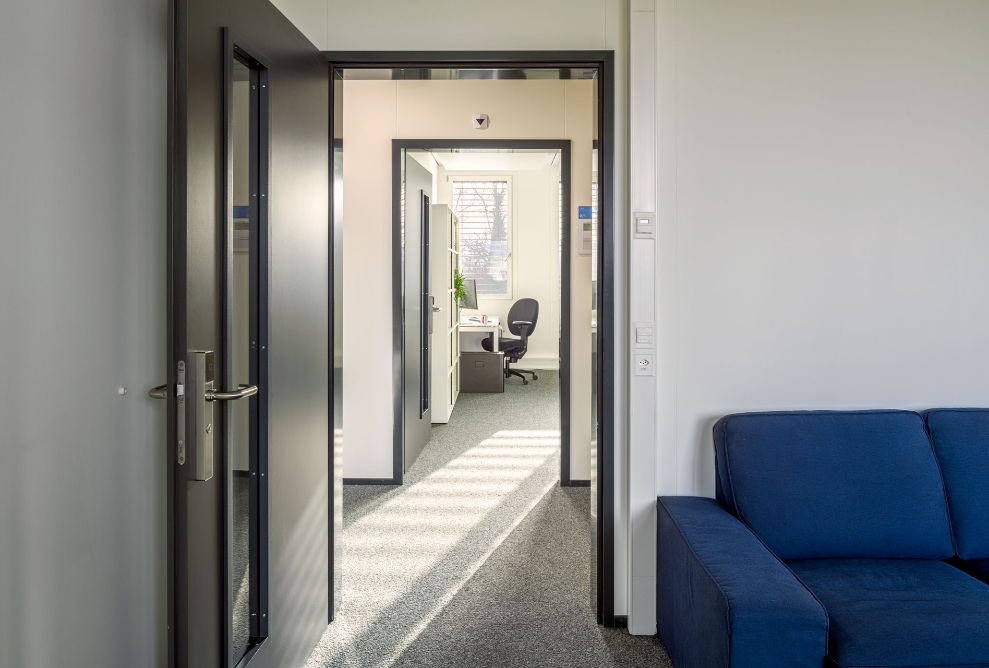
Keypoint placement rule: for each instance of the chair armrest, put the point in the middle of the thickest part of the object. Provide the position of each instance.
(525, 330)
(724, 600)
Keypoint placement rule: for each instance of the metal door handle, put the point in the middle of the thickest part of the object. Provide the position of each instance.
(437, 309)
(159, 392)
(241, 392)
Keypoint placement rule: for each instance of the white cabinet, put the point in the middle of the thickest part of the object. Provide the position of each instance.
(445, 340)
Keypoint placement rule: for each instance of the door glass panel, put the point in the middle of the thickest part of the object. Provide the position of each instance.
(239, 367)
(244, 345)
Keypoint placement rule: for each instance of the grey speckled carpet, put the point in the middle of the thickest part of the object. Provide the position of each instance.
(480, 559)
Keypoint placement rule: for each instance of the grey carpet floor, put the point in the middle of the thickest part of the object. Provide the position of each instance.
(240, 552)
(480, 558)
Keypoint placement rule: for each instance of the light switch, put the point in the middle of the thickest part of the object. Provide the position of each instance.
(644, 337)
(645, 224)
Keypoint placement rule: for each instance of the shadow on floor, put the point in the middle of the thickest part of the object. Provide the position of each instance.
(529, 604)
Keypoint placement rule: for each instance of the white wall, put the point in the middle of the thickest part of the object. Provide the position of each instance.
(375, 112)
(383, 25)
(825, 169)
(642, 397)
(309, 16)
(82, 283)
(367, 286)
(509, 24)
(535, 241)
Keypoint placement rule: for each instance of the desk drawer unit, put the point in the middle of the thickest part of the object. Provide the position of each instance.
(482, 372)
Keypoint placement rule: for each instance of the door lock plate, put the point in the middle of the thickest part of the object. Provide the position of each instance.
(180, 410)
(202, 380)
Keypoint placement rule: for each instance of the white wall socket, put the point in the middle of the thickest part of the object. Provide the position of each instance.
(645, 365)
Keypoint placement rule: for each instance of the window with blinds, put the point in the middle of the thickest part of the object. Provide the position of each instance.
(484, 210)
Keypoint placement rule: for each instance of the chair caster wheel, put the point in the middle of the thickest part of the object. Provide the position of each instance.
(525, 382)
(535, 377)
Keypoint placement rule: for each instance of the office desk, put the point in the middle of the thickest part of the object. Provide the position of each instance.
(468, 326)
(480, 371)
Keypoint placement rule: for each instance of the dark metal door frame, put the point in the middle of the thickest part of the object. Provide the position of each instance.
(604, 63)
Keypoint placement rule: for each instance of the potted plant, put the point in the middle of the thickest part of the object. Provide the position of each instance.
(459, 289)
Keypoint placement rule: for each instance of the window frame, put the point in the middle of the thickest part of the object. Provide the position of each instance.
(491, 175)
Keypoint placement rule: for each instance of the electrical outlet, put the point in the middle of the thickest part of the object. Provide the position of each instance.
(644, 364)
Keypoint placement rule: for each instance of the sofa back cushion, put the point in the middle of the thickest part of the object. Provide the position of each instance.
(834, 483)
(961, 443)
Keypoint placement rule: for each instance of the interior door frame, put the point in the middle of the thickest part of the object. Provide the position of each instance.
(604, 63)
(400, 145)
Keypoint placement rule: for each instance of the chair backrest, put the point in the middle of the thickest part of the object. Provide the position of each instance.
(524, 309)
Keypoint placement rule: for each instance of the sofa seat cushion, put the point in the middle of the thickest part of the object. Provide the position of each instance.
(899, 612)
(823, 484)
(961, 442)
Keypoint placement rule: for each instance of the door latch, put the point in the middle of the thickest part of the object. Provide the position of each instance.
(161, 392)
(202, 393)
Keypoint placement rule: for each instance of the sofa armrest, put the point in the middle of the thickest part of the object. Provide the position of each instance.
(724, 600)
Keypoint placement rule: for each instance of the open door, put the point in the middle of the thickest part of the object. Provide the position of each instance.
(249, 383)
(417, 308)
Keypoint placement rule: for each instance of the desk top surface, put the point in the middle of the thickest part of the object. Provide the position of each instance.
(475, 321)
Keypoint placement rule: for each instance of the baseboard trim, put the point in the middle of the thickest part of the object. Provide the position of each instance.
(371, 481)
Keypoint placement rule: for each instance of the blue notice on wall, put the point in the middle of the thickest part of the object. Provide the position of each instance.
(584, 212)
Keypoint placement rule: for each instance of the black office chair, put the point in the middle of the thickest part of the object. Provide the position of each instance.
(522, 323)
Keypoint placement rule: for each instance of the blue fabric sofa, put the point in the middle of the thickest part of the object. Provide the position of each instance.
(841, 539)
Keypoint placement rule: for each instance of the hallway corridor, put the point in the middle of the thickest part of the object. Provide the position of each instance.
(481, 558)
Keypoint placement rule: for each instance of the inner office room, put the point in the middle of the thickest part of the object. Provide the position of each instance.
(495, 223)
(375, 113)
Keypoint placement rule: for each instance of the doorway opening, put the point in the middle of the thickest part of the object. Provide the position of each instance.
(500, 207)
(558, 69)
